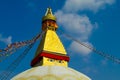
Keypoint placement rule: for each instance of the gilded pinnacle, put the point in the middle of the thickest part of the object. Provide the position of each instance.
(49, 15)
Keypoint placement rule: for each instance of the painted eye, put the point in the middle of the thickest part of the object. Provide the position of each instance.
(51, 60)
(60, 61)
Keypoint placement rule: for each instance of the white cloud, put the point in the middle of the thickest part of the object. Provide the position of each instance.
(78, 25)
(75, 24)
(93, 5)
(6, 40)
(79, 49)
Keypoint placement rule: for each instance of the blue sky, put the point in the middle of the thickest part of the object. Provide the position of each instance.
(93, 22)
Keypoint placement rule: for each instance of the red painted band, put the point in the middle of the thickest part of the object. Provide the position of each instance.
(49, 55)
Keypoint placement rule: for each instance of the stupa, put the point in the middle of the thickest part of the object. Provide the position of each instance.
(51, 59)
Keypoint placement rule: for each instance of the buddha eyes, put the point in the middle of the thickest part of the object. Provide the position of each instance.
(60, 61)
(53, 60)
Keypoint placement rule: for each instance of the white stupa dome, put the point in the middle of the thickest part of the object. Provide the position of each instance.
(51, 73)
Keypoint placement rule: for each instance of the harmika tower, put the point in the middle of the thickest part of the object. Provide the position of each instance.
(51, 51)
(51, 60)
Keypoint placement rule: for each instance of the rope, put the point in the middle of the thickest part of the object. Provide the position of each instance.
(5, 75)
(11, 48)
(107, 56)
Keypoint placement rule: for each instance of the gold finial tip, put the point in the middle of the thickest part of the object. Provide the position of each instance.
(49, 15)
(49, 11)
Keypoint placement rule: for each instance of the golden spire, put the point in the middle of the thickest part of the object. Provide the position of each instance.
(49, 15)
(50, 50)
